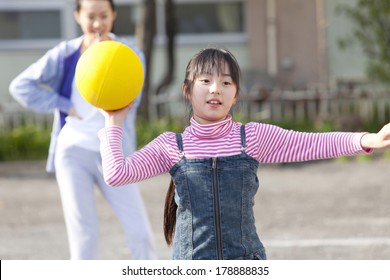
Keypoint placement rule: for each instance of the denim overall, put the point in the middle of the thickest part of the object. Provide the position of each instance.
(215, 199)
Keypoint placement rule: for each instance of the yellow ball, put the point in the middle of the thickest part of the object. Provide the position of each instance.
(109, 75)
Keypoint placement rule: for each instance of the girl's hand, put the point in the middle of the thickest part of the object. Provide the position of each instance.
(377, 140)
(116, 117)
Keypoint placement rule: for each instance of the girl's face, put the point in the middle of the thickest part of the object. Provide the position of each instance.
(96, 19)
(213, 95)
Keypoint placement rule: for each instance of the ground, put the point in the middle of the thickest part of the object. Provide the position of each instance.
(320, 210)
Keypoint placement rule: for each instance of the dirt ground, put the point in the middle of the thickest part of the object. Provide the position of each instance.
(320, 210)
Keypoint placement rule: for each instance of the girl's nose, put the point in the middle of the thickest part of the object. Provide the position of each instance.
(215, 88)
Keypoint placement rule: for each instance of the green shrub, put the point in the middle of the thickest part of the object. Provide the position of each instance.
(29, 142)
(386, 154)
(24, 143)
(147, 131)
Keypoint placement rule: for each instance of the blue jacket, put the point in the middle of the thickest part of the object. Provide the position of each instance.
(45, 87)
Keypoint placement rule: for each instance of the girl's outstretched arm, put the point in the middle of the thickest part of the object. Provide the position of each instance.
(377, 140)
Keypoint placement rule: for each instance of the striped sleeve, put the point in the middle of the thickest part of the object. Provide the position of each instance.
(152, 160)
(272, 144)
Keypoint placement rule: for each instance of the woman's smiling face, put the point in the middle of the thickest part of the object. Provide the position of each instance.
(96, 18)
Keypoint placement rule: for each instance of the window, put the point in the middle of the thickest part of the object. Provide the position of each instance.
(41, 24)
(218, 17)
(16, 25)
(32, 24)
(126, 20)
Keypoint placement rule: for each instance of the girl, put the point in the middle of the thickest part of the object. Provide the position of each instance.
(214, 162)
(74, 140)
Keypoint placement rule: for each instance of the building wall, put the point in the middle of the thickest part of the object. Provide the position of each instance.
(257, 33)
(284, 42)
(297, 43)
(343, 65)
(291, 47)
(14, 60)
(306, 43)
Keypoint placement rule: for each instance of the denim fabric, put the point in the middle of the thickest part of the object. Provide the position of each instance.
(215, 198)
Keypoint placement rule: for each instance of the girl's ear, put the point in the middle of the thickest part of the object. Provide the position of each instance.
(184, 91)
(235, 99)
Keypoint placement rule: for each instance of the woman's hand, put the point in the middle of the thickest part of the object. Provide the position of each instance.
(73, 113)
(377, 140)
(116, 117)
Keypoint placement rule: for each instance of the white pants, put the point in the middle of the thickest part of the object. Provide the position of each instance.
(78, 171)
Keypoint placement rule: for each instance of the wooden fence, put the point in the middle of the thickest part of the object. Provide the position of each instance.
(13, 116)
(312, 105)
(353, 107)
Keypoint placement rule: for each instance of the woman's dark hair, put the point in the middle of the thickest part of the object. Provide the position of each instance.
(203, 62)
(78, 4)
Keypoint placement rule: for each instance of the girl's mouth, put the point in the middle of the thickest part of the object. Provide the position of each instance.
(214, 102)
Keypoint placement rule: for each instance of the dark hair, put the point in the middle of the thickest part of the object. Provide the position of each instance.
(208, 59)
(170, 208)
(78, 4)
(202, 62)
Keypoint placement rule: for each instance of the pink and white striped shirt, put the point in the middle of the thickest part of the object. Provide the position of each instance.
(264, 142)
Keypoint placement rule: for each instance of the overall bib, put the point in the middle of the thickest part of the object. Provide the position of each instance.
(215, 199)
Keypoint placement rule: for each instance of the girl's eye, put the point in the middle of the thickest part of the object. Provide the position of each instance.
(205, 81)
(227, 83)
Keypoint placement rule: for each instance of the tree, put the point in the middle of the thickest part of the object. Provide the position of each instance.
(145, 33)
(170, 29)
(371, 19)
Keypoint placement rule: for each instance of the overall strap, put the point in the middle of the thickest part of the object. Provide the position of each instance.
(179, 140)
(243, 138)
(67, 80)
